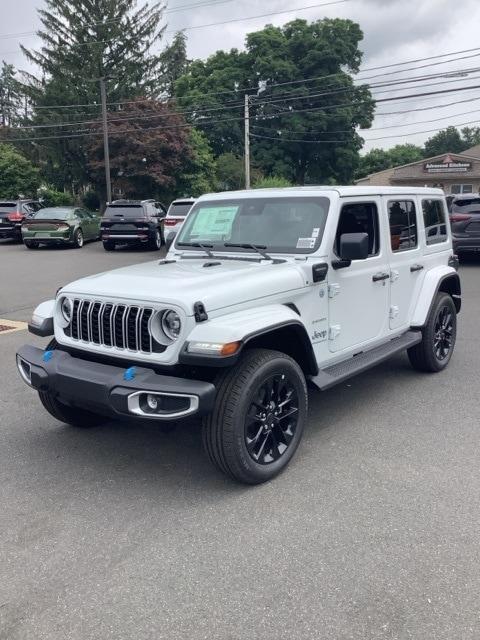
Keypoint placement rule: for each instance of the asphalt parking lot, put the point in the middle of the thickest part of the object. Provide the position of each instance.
(127, 533)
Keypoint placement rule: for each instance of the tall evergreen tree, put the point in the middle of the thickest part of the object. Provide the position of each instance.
(83, 41)
(10, 97)
(173, 64)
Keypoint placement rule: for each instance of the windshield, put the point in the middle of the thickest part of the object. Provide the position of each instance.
(284, 225)
(124, 211)
(179, 209)
(53, 214)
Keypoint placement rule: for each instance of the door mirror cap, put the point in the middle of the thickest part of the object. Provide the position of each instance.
(354, 246)
(169, 240)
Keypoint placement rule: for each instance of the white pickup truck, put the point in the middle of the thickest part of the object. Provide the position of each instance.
(260, 292)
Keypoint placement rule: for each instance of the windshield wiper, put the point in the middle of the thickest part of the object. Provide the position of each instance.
(198, 245)
(259, 248)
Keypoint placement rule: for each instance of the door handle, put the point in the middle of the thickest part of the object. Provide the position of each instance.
(378, 277)
(416, 267)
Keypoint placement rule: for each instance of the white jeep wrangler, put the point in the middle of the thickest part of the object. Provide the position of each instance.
(261, 291)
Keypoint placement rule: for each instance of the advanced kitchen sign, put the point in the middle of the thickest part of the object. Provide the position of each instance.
(447, 165)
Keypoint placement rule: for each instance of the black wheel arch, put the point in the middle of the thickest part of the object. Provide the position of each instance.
(451, 284)
(289, 337)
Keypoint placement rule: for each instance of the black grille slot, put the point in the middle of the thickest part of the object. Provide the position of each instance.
(132, 316)
(113, 325)
(95, 322)
(118, 332)
(106, 324)
(145, 338)
(84, 324)
(74, 325)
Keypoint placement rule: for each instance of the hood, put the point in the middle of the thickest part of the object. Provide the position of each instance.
(185, 282)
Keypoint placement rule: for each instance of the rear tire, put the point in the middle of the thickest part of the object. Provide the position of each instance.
(108, 245)
(78, 239)
(259, 416)
(439, 336)
(69, 415)
(30, 244)
(156, 242)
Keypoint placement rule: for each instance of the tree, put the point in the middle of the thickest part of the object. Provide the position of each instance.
(83, 41)
(471, 136)
(198, 175)
(18, 177)
(447, 141)
(231, 172)
(10, 98)
(381, 159)
(173, 64)
(149, 145)
(304, 131)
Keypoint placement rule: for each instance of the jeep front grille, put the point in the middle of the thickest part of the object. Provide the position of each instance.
(113, 325)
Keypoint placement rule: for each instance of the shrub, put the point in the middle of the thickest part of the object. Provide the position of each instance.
(91, 200)
(272, 182)
(53, 198)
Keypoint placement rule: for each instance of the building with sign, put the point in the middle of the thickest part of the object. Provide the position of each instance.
(452, 172)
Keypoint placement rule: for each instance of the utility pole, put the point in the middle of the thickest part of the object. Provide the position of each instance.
(247, 142)
(103, 93)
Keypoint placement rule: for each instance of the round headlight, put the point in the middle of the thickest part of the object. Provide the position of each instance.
(171, 324)
(66, 308)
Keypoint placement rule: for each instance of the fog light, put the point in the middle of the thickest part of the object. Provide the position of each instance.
(152, 402)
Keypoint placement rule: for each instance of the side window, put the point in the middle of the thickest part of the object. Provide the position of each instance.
(361, 217)
(79, 214)
(402, 217)
(435, 221)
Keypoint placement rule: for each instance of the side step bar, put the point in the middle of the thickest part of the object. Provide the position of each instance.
(341, 371)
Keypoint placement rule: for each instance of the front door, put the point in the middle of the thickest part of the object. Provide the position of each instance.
(359, 294)
(406, 265)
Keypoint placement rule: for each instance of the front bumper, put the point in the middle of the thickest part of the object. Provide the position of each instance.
(113, 391)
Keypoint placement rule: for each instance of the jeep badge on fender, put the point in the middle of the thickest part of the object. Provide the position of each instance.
(261, 291)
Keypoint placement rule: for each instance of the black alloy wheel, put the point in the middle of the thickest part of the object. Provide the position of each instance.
(259, 416)
(271, 420)
(435, 350)
(443, 340)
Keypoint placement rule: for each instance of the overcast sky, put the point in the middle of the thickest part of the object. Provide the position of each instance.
(395, 31)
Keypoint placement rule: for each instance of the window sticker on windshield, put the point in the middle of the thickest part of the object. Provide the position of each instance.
(316, 232)
(306, 243)
(214, 221)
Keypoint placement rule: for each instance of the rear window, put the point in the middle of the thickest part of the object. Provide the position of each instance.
(435, 221)
(53, 214)
(8, 207)
(124, 211)
(469, 205)
(179, 209)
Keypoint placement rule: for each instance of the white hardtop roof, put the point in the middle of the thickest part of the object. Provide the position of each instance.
(343, 192)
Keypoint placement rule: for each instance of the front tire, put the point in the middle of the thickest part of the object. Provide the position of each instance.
(439, 336)
(259, 416)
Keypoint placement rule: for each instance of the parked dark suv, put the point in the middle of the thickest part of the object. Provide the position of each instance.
(465, 221)
(133, 222)
(13, 213)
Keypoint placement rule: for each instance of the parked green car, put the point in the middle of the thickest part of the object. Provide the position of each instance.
(61, 225)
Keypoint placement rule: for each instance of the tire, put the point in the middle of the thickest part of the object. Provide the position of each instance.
(78, 239)
(108, 245)
(156, 242)
(439, 335)
(246, 448)
(30, 244)
(69, 415)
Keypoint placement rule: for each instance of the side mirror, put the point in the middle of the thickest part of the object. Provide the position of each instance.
(169, 240)
(354, 246)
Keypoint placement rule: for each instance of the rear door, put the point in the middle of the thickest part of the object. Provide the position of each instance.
(405, 257)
